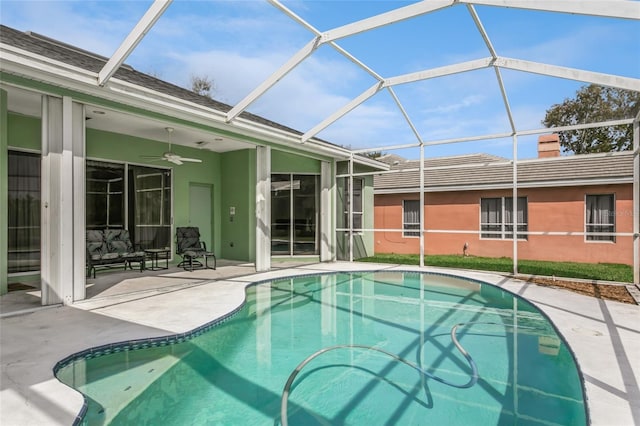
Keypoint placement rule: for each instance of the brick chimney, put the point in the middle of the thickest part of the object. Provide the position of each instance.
(549, 146)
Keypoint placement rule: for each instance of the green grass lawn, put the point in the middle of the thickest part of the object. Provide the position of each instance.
(594, 271)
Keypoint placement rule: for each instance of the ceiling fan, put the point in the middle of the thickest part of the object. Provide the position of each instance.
(171, 156)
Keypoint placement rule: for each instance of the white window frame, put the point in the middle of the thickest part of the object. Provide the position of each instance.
(410, 233)
(503, 232)
(347, 195)
(611, 238)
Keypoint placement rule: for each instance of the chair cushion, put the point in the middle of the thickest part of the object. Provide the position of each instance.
(187, 238)
(96, 245)
(119, 247)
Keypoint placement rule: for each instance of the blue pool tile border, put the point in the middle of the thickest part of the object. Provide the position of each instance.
(171, 339)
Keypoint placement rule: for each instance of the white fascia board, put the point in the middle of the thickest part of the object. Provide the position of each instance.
(601, 79)
(507, 186)
(439, 72)
(387, 18)
(14, 61)
(133, 39)
(624, 9)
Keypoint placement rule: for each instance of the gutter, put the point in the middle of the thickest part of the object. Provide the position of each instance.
(507, 185)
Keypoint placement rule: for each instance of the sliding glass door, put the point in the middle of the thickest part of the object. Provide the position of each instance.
(23, 239)
(294, 214)
(150, 202)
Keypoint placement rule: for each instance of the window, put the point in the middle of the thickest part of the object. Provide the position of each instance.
(140, 203)
(496, 218)
(600, 217)
(295, 202)
(357, 203)
(105, 195)
(150, 197)
(410, 218)
(23, 187)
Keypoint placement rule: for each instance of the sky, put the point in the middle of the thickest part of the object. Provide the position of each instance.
(238, 44)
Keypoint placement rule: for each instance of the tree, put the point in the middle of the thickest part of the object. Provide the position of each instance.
(374, 154)
(202, 85)
(593, 104)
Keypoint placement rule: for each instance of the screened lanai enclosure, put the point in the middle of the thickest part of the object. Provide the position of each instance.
(332, 130)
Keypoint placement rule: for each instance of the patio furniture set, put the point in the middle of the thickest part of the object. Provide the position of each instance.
(113, 248)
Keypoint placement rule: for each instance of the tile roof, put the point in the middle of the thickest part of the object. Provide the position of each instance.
(479, 171)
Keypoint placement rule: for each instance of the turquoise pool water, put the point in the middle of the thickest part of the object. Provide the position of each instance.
(393, 360)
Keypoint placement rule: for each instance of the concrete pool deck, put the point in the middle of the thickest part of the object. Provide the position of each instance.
(604, 335)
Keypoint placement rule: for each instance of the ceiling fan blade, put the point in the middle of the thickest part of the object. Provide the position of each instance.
(152, 157)
(191, 160)
(175, 160)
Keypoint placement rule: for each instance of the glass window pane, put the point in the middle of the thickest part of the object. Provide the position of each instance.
(305, 211)
(358, 184)
(150, 206)
(23, 236)
(521, 214)
(280, 213)
(411, 218)
(491, 217)
(104, 201)
(600, 217)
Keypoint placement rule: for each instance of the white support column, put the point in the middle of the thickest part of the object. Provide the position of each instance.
(351, 208)
(422, 218)
(327, 230)
(636, 200)
(263, 208)
(62, 261)
(514, 205)
(78, 132)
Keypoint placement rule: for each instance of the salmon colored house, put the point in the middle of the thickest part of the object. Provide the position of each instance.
(570, 208)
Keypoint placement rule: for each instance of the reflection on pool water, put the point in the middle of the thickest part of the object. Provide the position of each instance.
(235, 373)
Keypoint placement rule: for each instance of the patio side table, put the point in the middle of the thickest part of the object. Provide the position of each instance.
(155, 255)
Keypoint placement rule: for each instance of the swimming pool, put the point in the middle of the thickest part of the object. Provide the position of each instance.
(380, 348)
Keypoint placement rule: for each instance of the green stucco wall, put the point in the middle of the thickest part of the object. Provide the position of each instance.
(24, 132)
(238, 170)
(284, 162)
(117, 147)
(4, 175)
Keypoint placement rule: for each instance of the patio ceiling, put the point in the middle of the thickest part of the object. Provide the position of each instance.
(28, 103)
